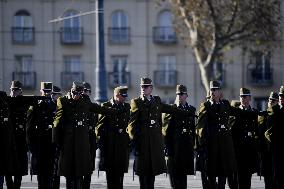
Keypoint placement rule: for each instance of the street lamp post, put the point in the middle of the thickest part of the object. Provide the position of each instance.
(100, 71)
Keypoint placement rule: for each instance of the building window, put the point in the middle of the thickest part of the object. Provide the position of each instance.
(23, 30)
(259, 69)
(166, 74)
(24, 71)
(164, 33)
(119, 32)
(120, 74)
(72, 71)
(261, 103)
(71, 32)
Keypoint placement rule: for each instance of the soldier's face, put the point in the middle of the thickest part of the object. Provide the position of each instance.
(146, 89)
(215, 94)
(15, 92)
(182, 98)
(120, 98)
(245, 100)
(75, 94)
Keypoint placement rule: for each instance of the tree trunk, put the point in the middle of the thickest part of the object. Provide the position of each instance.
(203, 75)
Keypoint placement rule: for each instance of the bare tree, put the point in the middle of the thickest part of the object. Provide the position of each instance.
(210, 26)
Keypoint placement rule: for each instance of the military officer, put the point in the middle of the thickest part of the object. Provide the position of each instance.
(7, 140)
(274, 136)
(265, 168)
(114, 140)
(179, 134)
(214, 136)
(92, 120)
(18, 106)
(39, 135)
(71, 134)
(145, 131)
(245, 138)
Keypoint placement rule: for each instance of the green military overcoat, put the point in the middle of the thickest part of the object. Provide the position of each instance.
(145, 130)
(71, 134)
(245, 139)
(113, 139)
(215, 136)
(179, 131)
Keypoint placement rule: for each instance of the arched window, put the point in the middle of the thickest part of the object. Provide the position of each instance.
(71, 30)
(22, 30)
(119, 19)
(165, 19)
(119, 32)
(164, 32)
(72, 22)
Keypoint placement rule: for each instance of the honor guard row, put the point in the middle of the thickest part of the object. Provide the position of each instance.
(228, 140)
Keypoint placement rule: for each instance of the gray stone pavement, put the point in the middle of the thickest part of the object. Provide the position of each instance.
(162, 181)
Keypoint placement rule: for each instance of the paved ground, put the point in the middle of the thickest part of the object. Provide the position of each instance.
(162, 181)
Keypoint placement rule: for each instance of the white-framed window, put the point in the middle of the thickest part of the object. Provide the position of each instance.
(24, 71)
(22, 30)
(166, 74)
(24, 63)
(167, 62)
(119, 19)
(120, 70)
(119, 32)
(165, 25)
(72, 30)
(72, 64)
(23, 19)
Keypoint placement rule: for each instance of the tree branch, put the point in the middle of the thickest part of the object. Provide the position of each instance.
(234, 15)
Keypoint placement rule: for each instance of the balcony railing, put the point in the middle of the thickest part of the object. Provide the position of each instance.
(165, 78)
(119, 78)
(23, 35)
(260, 77)
(28, 79)
(119, 36)
(164, 35)
(71, 35)
(68, 77)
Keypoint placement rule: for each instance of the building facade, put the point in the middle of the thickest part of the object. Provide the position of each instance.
(140, 41)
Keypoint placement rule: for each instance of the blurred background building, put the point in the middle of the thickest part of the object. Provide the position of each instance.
(140, 41)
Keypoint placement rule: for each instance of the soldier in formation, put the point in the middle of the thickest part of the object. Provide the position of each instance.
(214, 137)
(39, 135)
(179, 132)
(18, 107)
(274, 136)
(265, 159)
(145, 131)
(114, 140)
(71, 134)
(244, 130)
(7, 140)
